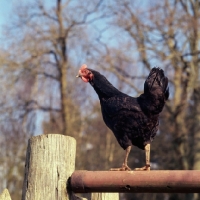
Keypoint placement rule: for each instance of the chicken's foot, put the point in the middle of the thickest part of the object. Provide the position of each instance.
(147, 166)
(124, 167)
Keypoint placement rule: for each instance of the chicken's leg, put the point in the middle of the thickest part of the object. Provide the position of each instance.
(147, 154)
(124, 167)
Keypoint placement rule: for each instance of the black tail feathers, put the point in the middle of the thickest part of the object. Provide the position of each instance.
(157, 83)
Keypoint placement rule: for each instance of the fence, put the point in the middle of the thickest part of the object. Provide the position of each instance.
(50, 174)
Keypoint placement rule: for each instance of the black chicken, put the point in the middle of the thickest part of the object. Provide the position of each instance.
(132, 120)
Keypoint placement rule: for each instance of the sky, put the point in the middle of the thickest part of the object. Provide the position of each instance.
(5, 12)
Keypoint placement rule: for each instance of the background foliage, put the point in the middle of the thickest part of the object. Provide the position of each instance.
(44, 44)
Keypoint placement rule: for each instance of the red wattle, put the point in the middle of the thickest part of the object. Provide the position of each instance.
(85, 79)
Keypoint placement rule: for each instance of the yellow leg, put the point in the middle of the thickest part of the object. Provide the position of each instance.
(147, 155)
(125, 166)
(147, 152)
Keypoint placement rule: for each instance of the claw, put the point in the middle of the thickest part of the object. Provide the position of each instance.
(145, 168)
(123, 168)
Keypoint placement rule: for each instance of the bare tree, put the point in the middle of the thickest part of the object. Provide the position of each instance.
(43, 46)
(51, 36)
(164, 34)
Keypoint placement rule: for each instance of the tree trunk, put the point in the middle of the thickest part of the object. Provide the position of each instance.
(50, 161)
(180, 105)
(62, 51)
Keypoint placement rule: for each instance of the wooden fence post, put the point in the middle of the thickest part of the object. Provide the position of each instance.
(105, 196)
(5, 195)
(50, 161)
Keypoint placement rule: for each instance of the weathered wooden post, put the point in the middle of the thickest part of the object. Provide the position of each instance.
(5, 195)
(50, 161)
(105, 196)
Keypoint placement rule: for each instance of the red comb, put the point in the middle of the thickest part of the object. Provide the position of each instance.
(84, 66)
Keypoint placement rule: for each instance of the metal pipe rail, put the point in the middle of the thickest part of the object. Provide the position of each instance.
(173, 181)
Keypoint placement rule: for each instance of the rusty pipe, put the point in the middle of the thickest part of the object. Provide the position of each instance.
(176, 181)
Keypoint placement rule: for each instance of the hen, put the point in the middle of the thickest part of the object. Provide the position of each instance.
(134, 121)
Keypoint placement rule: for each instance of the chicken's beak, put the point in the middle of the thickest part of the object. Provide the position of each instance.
(77, 76)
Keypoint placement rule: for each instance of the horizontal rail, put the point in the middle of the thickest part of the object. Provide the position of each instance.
(176, 181)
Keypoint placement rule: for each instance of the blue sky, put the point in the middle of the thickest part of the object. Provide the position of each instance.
(5, 12)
